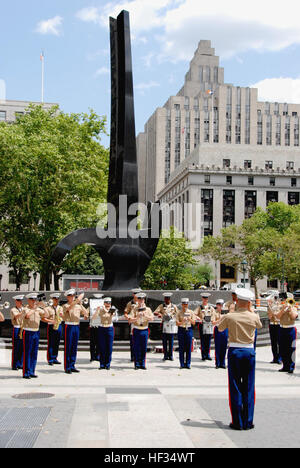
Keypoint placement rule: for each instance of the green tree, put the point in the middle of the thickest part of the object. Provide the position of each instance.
(53, 174)
(170, 266)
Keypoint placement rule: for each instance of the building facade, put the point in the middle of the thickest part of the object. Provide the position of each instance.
(217, 146)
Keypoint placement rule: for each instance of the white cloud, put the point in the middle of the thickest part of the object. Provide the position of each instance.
(50, 26)
(102, 71)
(89, 14)
(279, 90)
(232, 27)
(143, 87)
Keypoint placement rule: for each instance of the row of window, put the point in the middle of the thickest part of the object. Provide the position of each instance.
(3, 115)
(250, 205)
(269, 165)
(272, 180)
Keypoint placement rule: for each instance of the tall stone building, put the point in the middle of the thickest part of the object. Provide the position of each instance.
(217, 146)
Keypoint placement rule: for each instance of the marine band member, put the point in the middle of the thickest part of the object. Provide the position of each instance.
(72, 311)
(32, 316)
(274, 328)
(287, 335)
(221, 338)
(139, 317)
(16, 315)
(107, 315)
(241, 325)
(168, 312)
(185, 320)
(129, 307)
(54, 329)
(206, 316)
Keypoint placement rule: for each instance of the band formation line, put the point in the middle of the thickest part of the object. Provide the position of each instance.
(233, 326)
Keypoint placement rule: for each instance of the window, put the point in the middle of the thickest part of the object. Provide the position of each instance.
(250, 180)
(293, 182)
(269, 165)
(207, 179)
(293, 198)
(228, 207)
(207, 197)
(2, 116)
(247, 164)
(290, 165)
(272, 181)
(250, 203)
(271, 197)
(226, 163)
(294, 114)
(229, 180)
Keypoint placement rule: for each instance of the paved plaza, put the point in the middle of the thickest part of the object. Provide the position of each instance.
(163, 407)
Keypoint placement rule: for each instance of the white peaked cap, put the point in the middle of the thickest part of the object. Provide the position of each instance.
(244, 294)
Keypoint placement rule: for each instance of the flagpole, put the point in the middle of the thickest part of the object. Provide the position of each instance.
(43, 76)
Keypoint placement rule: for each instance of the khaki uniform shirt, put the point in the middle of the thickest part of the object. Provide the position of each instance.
(143, 321)
(241, 326)
(54, 311)
(73, 315)
(286, 320)
(189, 314)
(128, 310)
(206, 311)
(106, 317)
(16, 322)
(33, 322)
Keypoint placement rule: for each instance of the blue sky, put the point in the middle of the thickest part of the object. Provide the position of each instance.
(258, 45)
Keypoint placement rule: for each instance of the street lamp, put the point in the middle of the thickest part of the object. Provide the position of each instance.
(280, 256)
(244, 264)
(34, 279)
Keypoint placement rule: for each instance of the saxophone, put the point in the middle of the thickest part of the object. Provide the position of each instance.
(57, 320)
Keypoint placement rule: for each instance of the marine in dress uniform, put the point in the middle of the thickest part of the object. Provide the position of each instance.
(287, 336)
(107, 315)
(16, 315)
(221, 338)
(231, 305)
(168, 312)
(127, 311)
(185, 320)
(54, 329)
(140, 316)
(72, 311)
(274, 328)
(206, 316)
(32, 316)
(94, 325)
(241, 325)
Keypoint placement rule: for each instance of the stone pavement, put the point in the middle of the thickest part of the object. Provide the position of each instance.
(163, 407)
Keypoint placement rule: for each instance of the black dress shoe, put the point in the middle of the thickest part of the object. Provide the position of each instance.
(209, 359)
(101, 368)
(108, 368)
(15, 368)
(50, 364)
(34, 376)
(136, 368)
(250, 427)
(283, 370)
(143, 367)
(290, 372)
(68, 372)
(75, 371)
(57, 363)
(235, 428)
(26, 377)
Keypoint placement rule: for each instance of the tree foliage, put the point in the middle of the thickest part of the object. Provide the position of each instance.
(170, 266)
(53, 174)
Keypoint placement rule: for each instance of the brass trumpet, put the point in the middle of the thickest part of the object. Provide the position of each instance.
(291, 302)
(6, 305)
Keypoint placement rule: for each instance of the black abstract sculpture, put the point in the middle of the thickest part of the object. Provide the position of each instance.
(125, 259)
